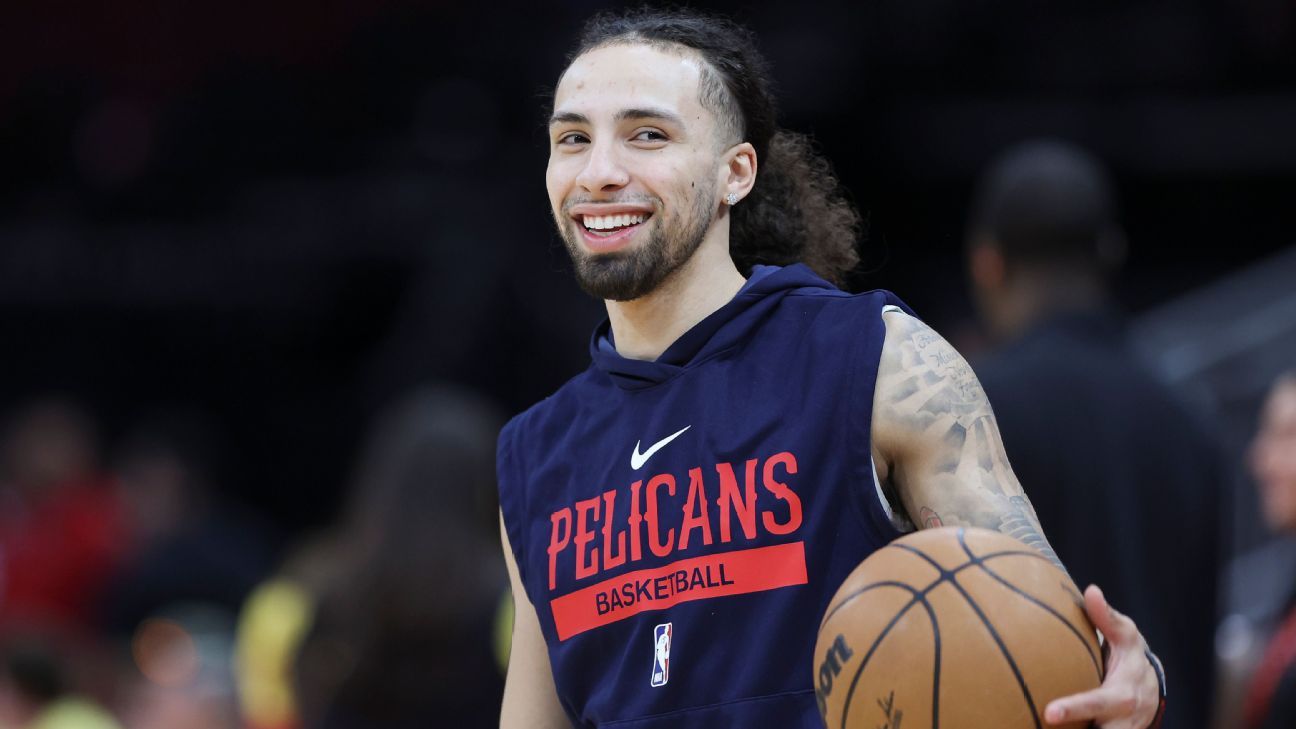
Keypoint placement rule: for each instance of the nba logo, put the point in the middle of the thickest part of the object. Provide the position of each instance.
(661, 654)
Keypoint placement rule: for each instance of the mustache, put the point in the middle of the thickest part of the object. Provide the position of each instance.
(635, 199)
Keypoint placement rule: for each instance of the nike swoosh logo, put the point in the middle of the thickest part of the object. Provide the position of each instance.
(637, 459)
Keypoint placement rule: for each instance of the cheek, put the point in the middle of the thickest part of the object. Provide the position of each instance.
(1279, 500)
(688, 183)
(557, 183)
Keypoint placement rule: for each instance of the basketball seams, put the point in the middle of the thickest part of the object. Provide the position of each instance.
(1093, 658)
(936, 670)
(856, 593)
(980, 562)
(901, 574)
(919, 597)
(950, 576)
(1016, 553)
(1003, 648)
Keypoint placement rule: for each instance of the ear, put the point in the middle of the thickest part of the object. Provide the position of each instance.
(986, 263)
(739, 174)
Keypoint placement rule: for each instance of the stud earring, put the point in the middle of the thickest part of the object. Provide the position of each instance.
(731, 199)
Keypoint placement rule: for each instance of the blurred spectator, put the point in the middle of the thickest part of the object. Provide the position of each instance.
(1257, 641)
(34, 693)
(189, 544)
(183, 656)
(1126, 484)
(272, 626)
(189, 558)
(401, 618)
(62, 531)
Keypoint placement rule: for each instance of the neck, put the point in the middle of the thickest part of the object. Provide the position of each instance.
(645, 327)
(1035, 297)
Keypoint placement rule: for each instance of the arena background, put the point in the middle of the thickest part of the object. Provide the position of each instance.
(283, 216)
(272, 212)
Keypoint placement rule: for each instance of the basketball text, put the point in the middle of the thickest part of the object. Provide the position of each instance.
(838, 654)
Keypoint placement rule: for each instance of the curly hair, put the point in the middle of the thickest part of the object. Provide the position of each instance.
(796, 212)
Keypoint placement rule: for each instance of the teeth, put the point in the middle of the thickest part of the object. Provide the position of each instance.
(607, 222)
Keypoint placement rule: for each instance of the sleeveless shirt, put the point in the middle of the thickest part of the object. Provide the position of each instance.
(680, 525)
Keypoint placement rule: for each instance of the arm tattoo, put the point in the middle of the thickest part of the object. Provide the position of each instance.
(1020, 522)
(949, 463)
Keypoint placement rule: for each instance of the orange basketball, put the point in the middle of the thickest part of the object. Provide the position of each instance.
(953, 628)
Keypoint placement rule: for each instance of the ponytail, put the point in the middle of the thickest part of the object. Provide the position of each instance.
(796, 212)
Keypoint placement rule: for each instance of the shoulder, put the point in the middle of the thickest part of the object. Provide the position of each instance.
(912, 348)
(845, 314)
(522, 442)
(902, 325)
(830, 295)
(923, 381)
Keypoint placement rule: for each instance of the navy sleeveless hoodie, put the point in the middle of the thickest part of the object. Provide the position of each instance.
(680, 525)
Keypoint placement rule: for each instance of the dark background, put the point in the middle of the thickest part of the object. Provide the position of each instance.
(282, 216)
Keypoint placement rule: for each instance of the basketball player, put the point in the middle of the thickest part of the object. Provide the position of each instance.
(746, 433)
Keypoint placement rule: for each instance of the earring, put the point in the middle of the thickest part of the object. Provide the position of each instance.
(731, 199)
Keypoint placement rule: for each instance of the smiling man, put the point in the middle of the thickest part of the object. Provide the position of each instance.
(677, 517)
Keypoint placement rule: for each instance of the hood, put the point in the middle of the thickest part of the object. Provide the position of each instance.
(719, 331)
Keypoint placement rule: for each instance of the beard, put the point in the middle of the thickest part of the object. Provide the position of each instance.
(631, 273)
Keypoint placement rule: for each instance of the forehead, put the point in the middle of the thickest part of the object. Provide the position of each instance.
(608, 79)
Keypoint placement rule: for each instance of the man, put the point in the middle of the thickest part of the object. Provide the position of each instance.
(1086, 425)
(747, 433)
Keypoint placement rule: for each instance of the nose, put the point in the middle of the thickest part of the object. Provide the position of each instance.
(603, 170)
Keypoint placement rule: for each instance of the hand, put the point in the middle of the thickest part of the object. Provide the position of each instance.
(1130, 695)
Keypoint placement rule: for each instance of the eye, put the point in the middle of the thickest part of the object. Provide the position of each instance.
(650, 135)
(572, 138)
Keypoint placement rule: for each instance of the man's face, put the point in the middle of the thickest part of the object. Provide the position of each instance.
(634, 167)
(1273, 458)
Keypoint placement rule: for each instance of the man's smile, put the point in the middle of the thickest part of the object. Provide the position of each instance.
(608, 227)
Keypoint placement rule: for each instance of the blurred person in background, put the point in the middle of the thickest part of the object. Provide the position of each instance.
(273, 624)
(62, 528)
(1258, 640)
(189, 543)
(1125, 482)
(35, 691)
(395, 611)
(192, 558)
(182, 659)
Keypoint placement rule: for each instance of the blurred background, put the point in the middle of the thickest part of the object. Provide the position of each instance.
(270, 274)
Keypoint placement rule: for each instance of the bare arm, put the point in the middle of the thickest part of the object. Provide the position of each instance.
(530, 699)
(937, 445)
(936, 441)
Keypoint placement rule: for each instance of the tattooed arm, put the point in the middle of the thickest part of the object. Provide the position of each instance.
(936, 443)
(937, 448)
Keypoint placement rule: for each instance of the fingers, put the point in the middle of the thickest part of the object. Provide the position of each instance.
(1104, 704)
(1129, 696)
(1116, 627)
(1128, 704)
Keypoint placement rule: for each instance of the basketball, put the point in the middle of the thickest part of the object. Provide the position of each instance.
(953, 628)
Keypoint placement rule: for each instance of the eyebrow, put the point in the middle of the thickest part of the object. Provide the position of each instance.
(632, 114)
